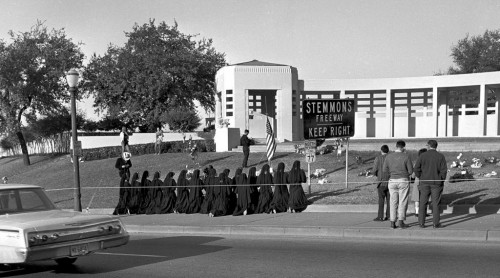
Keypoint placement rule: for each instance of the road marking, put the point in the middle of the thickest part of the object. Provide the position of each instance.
(131, 255)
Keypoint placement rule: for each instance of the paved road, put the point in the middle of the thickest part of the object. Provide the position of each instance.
(211, 256)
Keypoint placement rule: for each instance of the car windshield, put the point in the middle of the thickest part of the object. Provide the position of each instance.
(23, 200)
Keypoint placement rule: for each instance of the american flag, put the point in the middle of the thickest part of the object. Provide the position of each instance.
(270, 143)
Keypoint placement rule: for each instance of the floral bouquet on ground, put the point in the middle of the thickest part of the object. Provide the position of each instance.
(367, 173)
(318, 174)
(464, 175)
(459, 163)
(491, 160)
(476, 163)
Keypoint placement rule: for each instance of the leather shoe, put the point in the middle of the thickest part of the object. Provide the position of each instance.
(438, 226)
(402, 225)
(393, 225)
(421, 226)
(386, 218)
(378, 219)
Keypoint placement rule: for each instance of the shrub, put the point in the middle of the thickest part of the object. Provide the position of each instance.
(141, 149)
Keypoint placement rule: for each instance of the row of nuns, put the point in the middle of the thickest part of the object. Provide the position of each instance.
(215, 195)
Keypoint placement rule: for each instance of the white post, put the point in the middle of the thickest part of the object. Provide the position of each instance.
(346, 163)
(482, 110)
(435, 111)
(309, 177)
(388, 112)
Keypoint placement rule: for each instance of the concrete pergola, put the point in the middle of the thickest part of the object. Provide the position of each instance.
(465, 105)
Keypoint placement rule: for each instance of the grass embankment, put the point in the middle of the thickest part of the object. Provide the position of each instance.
(55, 173)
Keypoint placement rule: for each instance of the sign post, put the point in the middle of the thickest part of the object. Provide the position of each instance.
(346, 163)
(329, 118)
(310, 158)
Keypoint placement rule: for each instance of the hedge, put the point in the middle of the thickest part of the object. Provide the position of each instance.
(149, 148)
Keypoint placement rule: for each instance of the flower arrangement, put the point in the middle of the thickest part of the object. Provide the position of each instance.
(318, 174)
(367, 173)
(492, 160)
(459, 163)
(323, 181)
(464, 175)
(476, 163)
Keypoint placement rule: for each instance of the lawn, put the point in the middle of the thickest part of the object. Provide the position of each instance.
(100, 180)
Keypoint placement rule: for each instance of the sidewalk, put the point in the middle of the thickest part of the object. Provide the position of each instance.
(456, 227)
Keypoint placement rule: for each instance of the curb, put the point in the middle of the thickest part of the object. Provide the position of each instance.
(445, 209)
(333, 232)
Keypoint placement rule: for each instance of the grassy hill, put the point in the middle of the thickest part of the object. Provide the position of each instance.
(100, 180)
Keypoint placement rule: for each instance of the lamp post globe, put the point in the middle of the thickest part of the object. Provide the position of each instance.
(72, 77)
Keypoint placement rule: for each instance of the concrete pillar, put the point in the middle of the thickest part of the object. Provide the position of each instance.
(435, 112)
(218, 108)
(389, 113)
(482, 107)
(443, 114)
(246, 113)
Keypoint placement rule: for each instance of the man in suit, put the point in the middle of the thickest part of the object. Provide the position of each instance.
(382, 184)
(431, 169)
(245, 142)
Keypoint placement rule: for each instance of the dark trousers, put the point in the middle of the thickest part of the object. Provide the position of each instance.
(383, 195)
(435, 192)
(246, 153)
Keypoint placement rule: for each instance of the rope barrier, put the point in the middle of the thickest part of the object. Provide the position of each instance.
(241, 185)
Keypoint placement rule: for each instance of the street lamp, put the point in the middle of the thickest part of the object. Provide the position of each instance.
(72, 79)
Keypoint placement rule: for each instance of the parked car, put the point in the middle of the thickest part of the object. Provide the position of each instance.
(33, 229)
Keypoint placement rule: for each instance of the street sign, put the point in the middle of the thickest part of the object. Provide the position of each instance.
(310, 156)
(78, 149)
(328, 118)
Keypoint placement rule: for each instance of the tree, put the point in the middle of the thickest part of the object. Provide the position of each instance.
(477, 53)
(157, 69)
(55, 123)
(32, 71)
(182, 119)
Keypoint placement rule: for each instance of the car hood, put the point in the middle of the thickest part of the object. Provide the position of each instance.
(51, 219)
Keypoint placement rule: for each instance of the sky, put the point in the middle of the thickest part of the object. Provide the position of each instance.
(323, 39)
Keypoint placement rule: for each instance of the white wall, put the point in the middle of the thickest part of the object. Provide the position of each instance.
(90, 142)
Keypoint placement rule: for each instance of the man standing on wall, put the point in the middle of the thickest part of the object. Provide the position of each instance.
(246, 142)
(431, 169)
(382, 184)
(159, 140)
(399, 166)
(124, 137)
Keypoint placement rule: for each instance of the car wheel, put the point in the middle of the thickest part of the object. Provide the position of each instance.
(65, 261)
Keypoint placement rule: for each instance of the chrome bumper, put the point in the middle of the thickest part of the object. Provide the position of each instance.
(61, 250)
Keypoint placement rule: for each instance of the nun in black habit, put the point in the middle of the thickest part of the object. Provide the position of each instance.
(280, 195)
(254, 192)
(155, 195)
(195, 193)
(243, 194)
(265, 181)
(144, 200)
(182, 203)
(168, 200)
(298, 200)
(121, 207)
(209, 199)
(221, 194)
(134, 196)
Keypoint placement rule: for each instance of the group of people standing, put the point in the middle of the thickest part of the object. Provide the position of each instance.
(394, 171)
(212, 194)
